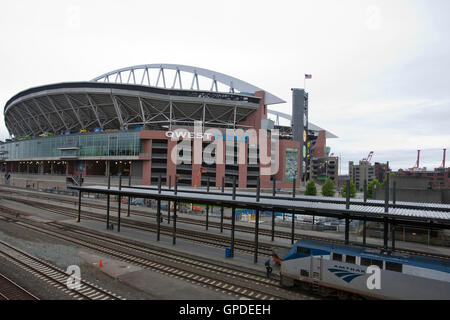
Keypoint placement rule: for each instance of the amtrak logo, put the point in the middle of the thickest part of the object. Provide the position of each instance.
(345, 275)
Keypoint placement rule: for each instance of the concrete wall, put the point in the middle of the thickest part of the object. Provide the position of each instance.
(446, 196)
(46, 181)
(36, 181)
(410, 182)
(415, 195)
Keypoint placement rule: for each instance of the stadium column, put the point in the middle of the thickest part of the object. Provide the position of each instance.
(168, 203)
(220, 162)
(242, 163)
(220, 174)
(265, 152)
(68, 168)
(84, 168)
(107, 168)
(197, 156)
(146, 160)
(172, 178)
(171, 163)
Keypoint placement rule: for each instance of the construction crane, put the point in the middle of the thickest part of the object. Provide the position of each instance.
(369, 157)
(416, 167)
(443, 159)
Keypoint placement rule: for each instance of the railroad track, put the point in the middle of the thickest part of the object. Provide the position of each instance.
(265, 251)
(9, 290)
(199, 237)
(53, 275)
(227, 226)
(226, 279)
(212, 224)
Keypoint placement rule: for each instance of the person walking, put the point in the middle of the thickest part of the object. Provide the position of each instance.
(268, 268)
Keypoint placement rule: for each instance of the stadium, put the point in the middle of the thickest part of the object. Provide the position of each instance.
(118, 123)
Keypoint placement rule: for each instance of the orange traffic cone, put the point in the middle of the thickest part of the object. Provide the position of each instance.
(100, 264)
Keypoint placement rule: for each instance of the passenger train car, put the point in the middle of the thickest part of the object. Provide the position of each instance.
(333, 269)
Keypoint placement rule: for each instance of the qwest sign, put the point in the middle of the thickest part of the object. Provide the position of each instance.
(205, 135)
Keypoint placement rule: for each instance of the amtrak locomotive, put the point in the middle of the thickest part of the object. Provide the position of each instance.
(349, 270)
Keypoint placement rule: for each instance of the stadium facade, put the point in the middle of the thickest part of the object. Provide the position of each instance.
(122, 123)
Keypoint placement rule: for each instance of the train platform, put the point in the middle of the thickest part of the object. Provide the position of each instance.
(265, 225)
(241, 260)
(188, 248)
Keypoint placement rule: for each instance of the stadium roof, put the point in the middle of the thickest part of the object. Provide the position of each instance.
(140, 74)
(87, 105)
(134, 96)
(137, 95)
(311, 126)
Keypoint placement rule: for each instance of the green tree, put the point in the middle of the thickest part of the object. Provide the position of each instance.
(352, 190)
(370, 187)
(328, 188)
(383, 183)
(311, 189)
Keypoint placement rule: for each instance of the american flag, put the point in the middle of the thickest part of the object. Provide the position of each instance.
(308, 76)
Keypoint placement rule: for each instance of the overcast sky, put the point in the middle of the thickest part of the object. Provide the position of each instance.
(380, 69)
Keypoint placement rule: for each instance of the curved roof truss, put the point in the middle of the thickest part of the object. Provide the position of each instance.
(140, 74)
